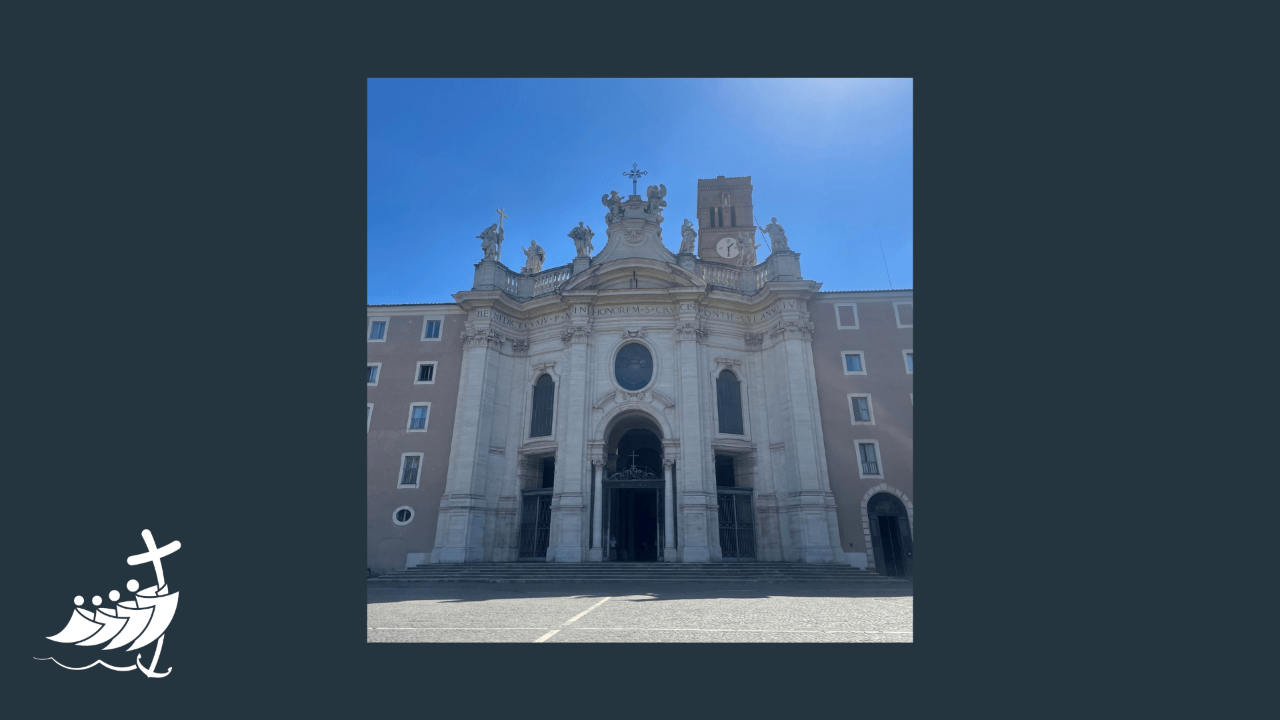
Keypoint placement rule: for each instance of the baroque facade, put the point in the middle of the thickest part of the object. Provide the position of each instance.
(641, 404)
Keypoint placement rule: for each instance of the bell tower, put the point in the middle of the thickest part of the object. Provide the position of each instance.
(724, 210)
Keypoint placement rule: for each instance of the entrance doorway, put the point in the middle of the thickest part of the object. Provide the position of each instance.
(635, 532)
(737, 524)
(633, 491)
(535, 524)
(890, 534)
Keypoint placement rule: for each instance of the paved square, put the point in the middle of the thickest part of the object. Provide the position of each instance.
(659, 612)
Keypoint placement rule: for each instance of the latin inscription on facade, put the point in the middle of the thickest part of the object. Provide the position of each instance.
(635, 310)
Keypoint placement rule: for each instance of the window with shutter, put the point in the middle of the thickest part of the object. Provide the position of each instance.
(860, 410)
(543, 398)
(410, 474)
(869, 464)
(729, 403)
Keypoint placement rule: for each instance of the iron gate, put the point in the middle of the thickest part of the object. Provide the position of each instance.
(737, 525)
(535, 524)
(631, 478)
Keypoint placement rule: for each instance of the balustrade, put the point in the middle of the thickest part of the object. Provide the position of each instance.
(549, 281)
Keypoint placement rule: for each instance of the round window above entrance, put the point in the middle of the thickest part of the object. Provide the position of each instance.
(633, 367)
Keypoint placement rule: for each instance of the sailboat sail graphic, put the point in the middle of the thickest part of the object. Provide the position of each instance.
(136, 623)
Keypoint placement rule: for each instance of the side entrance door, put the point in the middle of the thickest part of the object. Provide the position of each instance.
(535, 524)
(737, 525)
(890, 535)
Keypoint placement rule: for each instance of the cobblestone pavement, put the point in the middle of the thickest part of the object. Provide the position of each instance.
(658, 612)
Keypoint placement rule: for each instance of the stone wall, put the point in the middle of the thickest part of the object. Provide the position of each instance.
(389, 544)
(882, 341)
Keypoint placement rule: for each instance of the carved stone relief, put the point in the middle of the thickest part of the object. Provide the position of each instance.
(792, 330)
(691, 331)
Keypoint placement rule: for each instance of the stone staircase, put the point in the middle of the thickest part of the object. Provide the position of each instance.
(525, 572)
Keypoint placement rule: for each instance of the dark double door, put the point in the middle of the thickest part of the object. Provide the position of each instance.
(633, 523)
(535, 524)
(890, 535)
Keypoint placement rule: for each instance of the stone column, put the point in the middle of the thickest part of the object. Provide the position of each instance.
(568, 505)
(697, 503)
(461, 524)
(597, 552)
(668, 542)
(807, 499)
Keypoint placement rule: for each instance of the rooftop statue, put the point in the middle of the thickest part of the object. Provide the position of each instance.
(777, 236)
(747, 244)
(534, 257)
(656, 193)
(491, 242)
(688, 233)
(614, 202)
(582, 239)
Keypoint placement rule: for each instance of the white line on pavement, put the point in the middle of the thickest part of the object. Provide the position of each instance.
(544, 638)
(757, 630)
(456, 628)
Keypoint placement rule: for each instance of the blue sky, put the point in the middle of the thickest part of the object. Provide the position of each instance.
(830, 158)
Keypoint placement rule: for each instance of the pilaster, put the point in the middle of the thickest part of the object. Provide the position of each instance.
(569, 503)
(696, 491)
(807, 502)
(460, 528)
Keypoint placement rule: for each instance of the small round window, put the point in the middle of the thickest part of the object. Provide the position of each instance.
(633, 367)
(402, 515)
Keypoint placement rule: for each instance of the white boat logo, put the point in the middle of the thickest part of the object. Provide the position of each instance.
(140, 621)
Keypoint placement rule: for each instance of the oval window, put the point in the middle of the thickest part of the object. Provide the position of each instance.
(633, 367)
(402, 515)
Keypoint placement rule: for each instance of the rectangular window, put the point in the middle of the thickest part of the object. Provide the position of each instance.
(904, 312)
(418, 415)
(431, 326)
(426, 373)
(846, 316)
(378, 330)
(853, 363)
(861, 411)
(906, 356)
(409, 468)
(867, 458)
(371, 372)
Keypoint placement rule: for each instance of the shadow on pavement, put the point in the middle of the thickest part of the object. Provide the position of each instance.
(479, 592)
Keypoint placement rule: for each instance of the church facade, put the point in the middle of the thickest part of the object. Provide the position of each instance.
(644, 405)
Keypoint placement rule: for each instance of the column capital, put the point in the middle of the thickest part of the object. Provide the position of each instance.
(668, 463)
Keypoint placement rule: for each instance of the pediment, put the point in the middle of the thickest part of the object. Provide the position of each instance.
(634, 273)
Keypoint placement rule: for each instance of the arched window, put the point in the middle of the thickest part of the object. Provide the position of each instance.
(729, 402)
(543, 396)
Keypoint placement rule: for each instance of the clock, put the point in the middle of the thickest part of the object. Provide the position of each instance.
(727, 247)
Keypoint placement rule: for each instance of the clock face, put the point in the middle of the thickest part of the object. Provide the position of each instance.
(727, 247)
